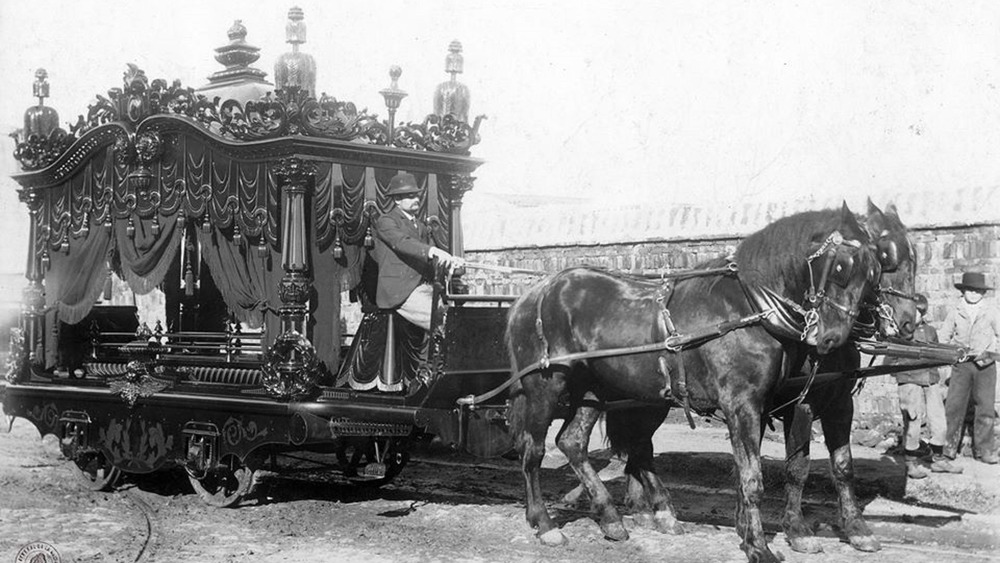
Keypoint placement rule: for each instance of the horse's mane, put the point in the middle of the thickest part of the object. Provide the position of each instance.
(775, 256)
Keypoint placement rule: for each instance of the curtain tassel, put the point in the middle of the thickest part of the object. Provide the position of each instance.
(188, 281)
(107, 286)
(156, 226)
(45, 259)
(237, 234)
(181, 221)
(262, 249)
(130, 228)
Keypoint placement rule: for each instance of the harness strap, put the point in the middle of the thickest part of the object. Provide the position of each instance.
(673, 343)
(805, 389)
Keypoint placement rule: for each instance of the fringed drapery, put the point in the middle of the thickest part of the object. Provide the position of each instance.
(146, 248)
(247, 280)
(325, 308)
(75, 278)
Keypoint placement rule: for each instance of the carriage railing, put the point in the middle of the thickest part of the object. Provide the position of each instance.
(183, 347)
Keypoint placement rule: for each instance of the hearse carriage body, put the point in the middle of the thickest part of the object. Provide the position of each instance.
(250, 207)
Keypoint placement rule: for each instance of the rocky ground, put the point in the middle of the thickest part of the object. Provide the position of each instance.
(450, 507)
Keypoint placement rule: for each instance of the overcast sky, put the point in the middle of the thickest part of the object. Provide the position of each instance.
(611, 101)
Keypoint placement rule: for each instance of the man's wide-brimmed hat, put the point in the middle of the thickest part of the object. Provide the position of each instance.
(973, 280)
(403, 184)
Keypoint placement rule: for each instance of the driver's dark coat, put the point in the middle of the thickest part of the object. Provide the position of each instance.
(401, 250)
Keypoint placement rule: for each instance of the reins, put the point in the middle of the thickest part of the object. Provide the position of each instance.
(674, 341)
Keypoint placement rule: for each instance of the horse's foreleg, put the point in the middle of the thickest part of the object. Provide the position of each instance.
(798, 434)
(837, 432)
(744, 434)
(574, 440)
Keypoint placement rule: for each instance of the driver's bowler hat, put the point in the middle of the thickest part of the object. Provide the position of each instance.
(403, 184)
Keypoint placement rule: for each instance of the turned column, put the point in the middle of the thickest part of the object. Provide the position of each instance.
(33, 296)
(295, 178)
(457, 187)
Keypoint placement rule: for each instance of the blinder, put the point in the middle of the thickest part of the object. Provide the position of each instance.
(842, 268)
(888, 254)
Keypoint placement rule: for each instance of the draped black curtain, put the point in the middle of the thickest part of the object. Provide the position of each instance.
(247, 280)
(75, 278)
(146, 250)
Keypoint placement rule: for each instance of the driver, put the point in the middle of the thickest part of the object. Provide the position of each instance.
(405, 255)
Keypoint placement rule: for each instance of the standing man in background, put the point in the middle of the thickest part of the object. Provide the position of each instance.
(975, 325)
(921, 398)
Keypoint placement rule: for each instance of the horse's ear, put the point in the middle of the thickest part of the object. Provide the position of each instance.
(890, 209)
(872, 208)
(845, 212)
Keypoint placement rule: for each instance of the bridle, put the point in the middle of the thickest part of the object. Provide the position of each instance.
(816, 296)
(833, 271)
(888, 257)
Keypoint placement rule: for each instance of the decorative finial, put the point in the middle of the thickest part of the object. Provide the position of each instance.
(237, 33)
(41, 86)
(393, 96)
(454, 62)
(295, 71)
(295, 29)
(453, 97)
(238, 80)
(237, 54)
(40, 120)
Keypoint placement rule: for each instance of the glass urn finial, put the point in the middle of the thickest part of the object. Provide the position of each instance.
(295, 71)
(453, 97)
(40, 120)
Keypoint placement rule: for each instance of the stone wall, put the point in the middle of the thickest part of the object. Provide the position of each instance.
(943, 254)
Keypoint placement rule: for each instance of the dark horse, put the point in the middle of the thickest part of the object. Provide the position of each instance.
(824, 255)
(832, 402)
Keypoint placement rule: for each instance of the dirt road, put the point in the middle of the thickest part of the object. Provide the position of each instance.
(448, 507)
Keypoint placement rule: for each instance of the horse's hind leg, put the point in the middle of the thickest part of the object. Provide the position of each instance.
(574, 440)
(744, 433)
(798, 434)
(529, 415)
(837, 433)
(646, 495)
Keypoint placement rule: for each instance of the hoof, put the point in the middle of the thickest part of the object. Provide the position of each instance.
(805, 544)
(615, 531)
(865, 543)
(667, 524)
(553, 538)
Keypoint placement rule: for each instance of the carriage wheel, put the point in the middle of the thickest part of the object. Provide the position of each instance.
(373, 461)
(225, 485)
(96, 471)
